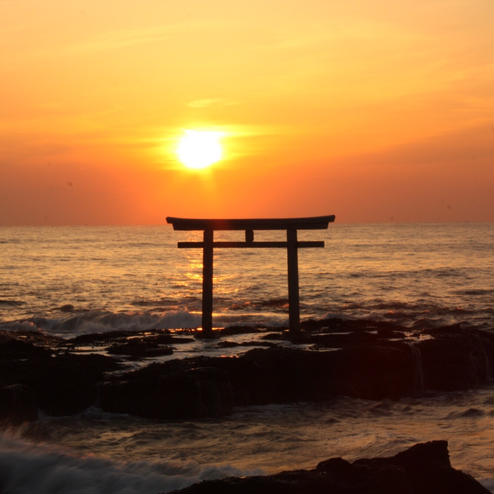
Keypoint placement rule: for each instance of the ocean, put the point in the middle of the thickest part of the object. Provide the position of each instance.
(68, 281)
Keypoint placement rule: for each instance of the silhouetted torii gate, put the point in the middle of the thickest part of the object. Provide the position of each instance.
(291, 225)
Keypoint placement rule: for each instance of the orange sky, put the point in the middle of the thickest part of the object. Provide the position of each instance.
(370, 110)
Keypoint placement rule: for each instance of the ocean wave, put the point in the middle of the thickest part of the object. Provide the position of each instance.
(475, 291)
(271, 313)
(425, 273)
(416, 314)
(154, 303)
(422, 307)
(11, 303)
(270, 303)
(26, 467)
(103, 321)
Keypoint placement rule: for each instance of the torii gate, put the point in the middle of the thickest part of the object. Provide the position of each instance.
(291, 225)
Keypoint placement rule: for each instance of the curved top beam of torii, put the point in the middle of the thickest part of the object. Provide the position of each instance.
(310, 223)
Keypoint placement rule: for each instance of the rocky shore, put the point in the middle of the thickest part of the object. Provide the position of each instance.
(422, 469)
(328, 358)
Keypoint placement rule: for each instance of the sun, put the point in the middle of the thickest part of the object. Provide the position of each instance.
(199, 149)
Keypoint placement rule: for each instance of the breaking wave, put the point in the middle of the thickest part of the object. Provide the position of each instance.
(102, 321)
(27, 467)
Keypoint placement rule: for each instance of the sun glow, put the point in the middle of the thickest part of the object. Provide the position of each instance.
(199, 149)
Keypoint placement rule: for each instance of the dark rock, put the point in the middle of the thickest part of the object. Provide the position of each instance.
(281, 375)
(365, 364)
(457, 358)
(389, 332)
(152, 337)
(231, 344)
(227, 344)
(67, 384)
(332, 324)
(19, 346)
(273, 336)
(422, 469)
(17, 404)
(195, 392)
(368, 368)
(67, 308)
(381, 370)
(140, 349)
(177, 340)
(331, 340)
(99, 338)
(260, 376)
(61, 383)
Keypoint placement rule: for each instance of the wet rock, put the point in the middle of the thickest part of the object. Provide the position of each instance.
(332, 324)
(170, 392)
(232, 330)
(364, 368)
(121, 336)
(176, 340)
(61, 383)
(361, 363)
(381, 370)
(140, 349)
(68, 384)
(67, 308)
(231, 344)
(422, 469)
(338, 340)
(17, 404)
(98, 338)
(227, 344)
(281, 375)
(260, 376)
(18, 345)
(273, 336)
(390, 332)
(457, 358)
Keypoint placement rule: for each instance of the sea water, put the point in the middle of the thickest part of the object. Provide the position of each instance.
(70, 280)
(73, 280)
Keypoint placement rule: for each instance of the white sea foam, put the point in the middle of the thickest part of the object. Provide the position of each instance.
(96, 321)
(27, 467)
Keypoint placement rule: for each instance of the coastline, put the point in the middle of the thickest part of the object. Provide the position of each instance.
(121, 373)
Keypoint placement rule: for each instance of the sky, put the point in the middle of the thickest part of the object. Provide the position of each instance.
(375, 111)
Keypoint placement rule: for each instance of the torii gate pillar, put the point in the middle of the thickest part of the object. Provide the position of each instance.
(291, 225)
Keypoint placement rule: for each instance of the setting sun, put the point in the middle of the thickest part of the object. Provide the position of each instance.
(199, 148)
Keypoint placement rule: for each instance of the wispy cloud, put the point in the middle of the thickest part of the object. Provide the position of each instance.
(208, 102)
(123, 39)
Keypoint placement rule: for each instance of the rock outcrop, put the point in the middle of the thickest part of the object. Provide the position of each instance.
(373, 367)
(41, 376)
(422, 469)
(363, 359)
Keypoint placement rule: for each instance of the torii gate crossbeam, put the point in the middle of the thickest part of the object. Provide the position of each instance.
(291, 225)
